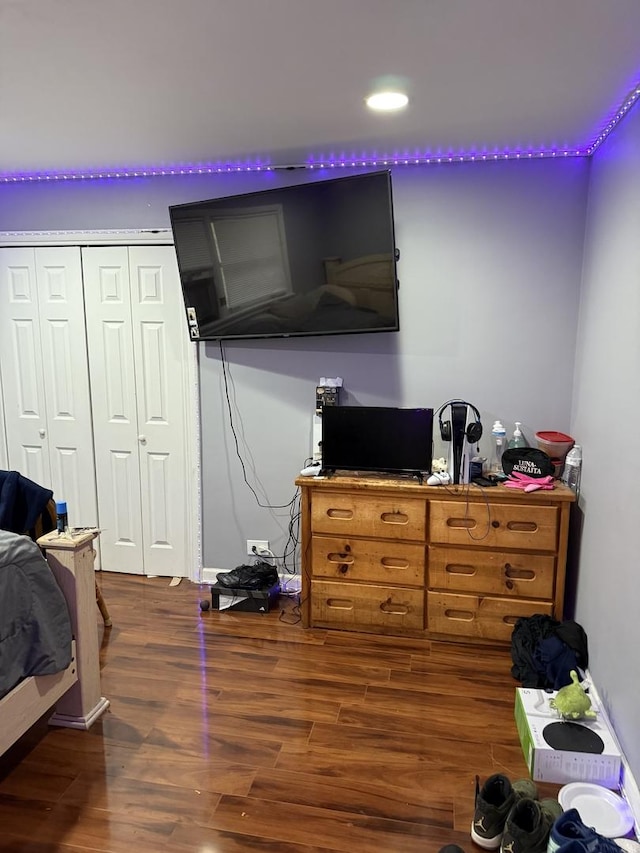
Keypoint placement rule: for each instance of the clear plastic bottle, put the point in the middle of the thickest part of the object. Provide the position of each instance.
(573, 468)
(499, 435)
(518, 439)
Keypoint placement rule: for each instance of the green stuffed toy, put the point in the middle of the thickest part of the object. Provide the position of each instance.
(571, 702)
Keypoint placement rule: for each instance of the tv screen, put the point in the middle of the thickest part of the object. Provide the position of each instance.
(313, 259)
(377, 438)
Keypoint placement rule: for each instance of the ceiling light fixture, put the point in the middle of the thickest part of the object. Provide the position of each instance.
(387, 101)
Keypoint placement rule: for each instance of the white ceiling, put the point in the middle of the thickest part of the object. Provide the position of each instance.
(88, 84)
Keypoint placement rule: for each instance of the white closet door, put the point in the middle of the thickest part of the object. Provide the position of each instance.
(45, 376)
(66, 382)
(113, 397)
(160, 331)
(4, 456)
(21, 356)
(137, 332)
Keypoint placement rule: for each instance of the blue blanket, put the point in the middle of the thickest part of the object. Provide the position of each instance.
(22, 502)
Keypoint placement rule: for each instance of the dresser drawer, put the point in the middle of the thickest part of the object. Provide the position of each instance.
(491, 572)
(375, 560)
(494, 525)
(353, 606)
(367, 515)
(477, 616)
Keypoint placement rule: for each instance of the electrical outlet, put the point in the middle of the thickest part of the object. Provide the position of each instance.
(258, 544)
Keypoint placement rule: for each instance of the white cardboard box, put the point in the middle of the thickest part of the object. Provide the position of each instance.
(532, 713)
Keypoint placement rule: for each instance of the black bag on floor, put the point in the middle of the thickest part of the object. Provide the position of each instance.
(544, 651)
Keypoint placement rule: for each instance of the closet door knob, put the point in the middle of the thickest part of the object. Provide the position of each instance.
(142, 439)
(42, 433)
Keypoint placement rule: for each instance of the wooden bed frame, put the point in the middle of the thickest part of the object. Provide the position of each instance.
(75, 692)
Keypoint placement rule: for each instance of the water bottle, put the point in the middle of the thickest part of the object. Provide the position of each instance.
(499, 434)
(573, 468)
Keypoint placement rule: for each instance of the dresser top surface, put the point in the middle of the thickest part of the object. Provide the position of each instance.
(384, 483)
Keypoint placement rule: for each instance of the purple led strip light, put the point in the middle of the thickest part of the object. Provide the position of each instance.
(329, 163)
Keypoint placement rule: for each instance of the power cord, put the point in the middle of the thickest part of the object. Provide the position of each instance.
(466, 492)
(225, 371)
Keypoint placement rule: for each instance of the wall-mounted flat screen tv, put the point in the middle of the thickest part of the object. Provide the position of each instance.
(312, 259)
(377, 438)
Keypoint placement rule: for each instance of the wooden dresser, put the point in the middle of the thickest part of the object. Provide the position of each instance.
(393, 556)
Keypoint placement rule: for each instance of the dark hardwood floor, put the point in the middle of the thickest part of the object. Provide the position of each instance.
(232, 732)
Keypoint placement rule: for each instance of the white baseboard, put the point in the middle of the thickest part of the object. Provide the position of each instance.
(631, 793)
(209, 575)
(628, 786)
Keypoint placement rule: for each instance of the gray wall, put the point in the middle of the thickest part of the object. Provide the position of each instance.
(489, 272)
(606, 408)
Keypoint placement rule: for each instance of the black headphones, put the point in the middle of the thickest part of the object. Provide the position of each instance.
(473, 431)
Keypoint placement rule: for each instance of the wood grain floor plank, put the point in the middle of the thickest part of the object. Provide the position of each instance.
(360, 797)
(439, 776)
(310, 708)
(336, 671)
(297, 689)
(234, 747)
(187, 838)
(147, 802)
(156, 764)
(339, 831)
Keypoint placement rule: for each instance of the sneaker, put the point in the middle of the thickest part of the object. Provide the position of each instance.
(494, 801)
(528, 825)
(568, 827)
(256, 576)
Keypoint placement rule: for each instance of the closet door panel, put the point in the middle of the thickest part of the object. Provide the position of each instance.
(113, 396)
(66, 381)
(22, 374)
(159, 331)
(4, 456)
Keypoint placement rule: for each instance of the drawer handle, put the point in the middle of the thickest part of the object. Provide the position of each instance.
(394, 518)
(394, 563)
(339, 558)
(340, 603)
(522, 526)
(459, 569)
(460, 615)
(510, 620)
(465, 523)
(518, 574)
(394, 609)
(340, 513)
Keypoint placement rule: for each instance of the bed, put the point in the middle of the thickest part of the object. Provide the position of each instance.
(354, 295)
(72, 694)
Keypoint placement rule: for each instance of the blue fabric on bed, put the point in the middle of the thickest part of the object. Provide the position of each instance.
(22, 501)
